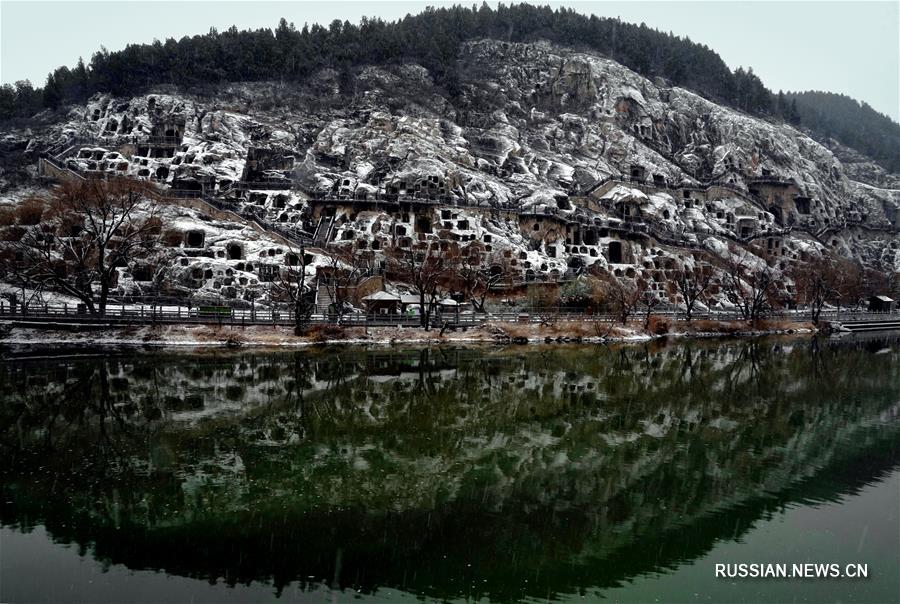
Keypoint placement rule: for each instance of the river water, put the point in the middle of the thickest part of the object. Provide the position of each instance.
(533, 473)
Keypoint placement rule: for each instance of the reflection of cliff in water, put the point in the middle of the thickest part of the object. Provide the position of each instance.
(562, 466)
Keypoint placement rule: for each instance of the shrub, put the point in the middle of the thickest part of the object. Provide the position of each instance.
(12, 233)
(30, 212)
(172, 238)
(658, 325)
(154, 225)
(324, 333)
(723, 327)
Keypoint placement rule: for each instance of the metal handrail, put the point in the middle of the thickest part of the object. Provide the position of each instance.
(163, 312)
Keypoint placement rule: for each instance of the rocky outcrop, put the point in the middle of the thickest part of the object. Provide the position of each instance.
(533, 129)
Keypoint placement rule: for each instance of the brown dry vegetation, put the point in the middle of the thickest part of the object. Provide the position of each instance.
(782, 325)
(561, 329)
(736, 327)
(707, 326)
(12, 233)
(265, 336)
(325, 333)
(658, 326)
(30, 211)
(172, 238)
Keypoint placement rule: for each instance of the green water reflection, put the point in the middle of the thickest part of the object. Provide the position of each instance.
(497, 474)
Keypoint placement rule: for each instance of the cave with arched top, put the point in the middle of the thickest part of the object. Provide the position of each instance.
(615, 252)
(235, 251)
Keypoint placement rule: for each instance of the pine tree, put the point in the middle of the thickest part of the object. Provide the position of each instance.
(52, 94)
(80, 82)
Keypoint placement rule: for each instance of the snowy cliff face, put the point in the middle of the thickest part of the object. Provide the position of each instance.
(534, 127)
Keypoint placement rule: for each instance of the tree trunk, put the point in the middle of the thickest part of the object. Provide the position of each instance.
(816, 312)
(104, 294)
(105, 277)
(299, 316)
(423, 312)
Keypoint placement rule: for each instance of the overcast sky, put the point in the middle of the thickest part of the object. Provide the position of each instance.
(847, 47)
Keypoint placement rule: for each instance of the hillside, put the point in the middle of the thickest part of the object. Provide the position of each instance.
(553, 161)
(851, 123)
(433, 39)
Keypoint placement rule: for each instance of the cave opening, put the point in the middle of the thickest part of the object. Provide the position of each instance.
(235, 251)
(615, 252)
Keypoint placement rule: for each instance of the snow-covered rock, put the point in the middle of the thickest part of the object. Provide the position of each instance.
(533, 127)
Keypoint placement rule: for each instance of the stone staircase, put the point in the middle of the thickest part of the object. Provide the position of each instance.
(323, 231)
(323, 298)
(886, 324)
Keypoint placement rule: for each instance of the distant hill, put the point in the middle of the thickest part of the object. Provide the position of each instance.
(432, 39)
(855, 124)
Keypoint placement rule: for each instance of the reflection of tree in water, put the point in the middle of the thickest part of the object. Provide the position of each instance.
(563, 466)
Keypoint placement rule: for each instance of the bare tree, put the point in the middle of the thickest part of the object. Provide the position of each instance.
(88, 231)
(346, 270)
(544, 300)
(24, 296)
(692, 284)
(625, 298)
(819, 281)
(480, 274)
(291, 286)
(470, 274)
(425, 268)
(879, 278)
(649, 300)
(750, 284)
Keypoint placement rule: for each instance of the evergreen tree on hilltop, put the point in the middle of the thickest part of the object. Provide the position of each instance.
(432, 38)
(850, 122)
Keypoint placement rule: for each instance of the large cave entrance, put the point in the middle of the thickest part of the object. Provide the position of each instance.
(195, 238)
(776, 212)
(615, 252)
(235, 251)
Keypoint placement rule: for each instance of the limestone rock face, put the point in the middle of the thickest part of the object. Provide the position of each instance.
(532, 127)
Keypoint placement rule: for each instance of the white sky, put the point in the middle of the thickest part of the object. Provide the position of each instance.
(847, 47)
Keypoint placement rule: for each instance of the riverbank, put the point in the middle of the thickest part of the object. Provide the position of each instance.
(91, 336)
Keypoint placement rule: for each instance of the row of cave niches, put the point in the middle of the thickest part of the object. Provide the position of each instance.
(193, 244)
(278, 208)
(290, 259)
(164, 128)
(402, 240)
(577, 236)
